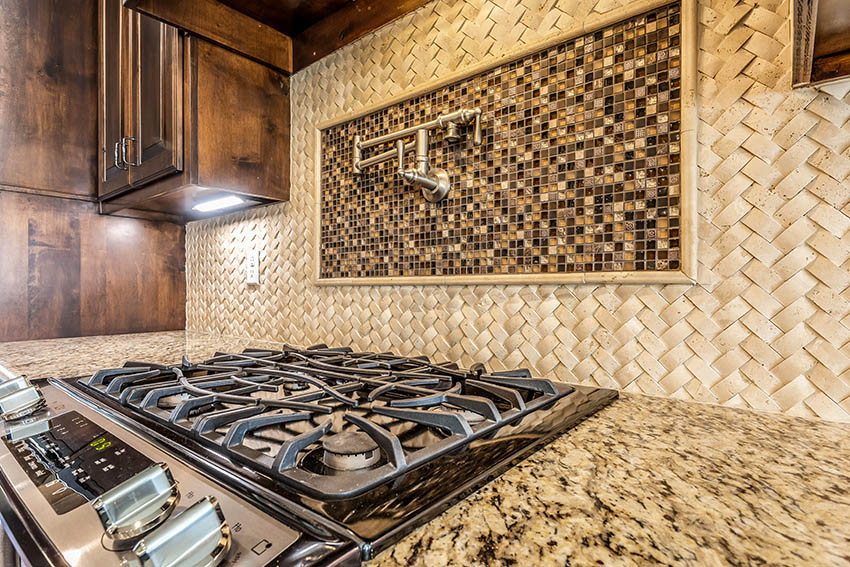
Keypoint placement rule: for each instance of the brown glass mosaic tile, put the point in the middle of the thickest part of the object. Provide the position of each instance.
(579, 170)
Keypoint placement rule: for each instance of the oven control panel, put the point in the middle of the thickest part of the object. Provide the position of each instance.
(72, 460)
(85, 478)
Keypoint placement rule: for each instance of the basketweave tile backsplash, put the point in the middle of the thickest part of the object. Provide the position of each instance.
(579, 170)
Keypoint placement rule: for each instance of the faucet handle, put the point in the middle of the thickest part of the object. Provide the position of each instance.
(399, 148)
(476, 136)
(358, 155)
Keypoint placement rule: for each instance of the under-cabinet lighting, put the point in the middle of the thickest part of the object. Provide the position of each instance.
(218, 204)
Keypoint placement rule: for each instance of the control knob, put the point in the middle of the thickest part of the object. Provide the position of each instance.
(19, 398)
(198, 537)
(137, 505)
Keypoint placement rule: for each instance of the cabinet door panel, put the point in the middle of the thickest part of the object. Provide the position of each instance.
(243, 123)
(113, 92)
(157, 100)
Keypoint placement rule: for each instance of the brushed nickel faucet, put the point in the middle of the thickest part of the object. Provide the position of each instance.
(433, 181)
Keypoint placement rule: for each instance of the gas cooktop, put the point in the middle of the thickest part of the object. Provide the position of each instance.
(351, 450)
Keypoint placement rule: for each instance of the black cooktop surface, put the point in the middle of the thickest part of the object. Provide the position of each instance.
(375, 442)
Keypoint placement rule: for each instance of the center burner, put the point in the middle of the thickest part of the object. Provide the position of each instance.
(350, 451)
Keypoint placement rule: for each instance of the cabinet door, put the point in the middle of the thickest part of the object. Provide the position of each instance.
(113, 93)
(156, 87)
(242, 123)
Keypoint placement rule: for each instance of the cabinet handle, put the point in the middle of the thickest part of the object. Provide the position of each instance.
(118, 165)
(124, 141)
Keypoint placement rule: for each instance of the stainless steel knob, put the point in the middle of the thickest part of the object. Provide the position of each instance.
(137, 505)
(19, 398)
(13, 385)
(27, 428)
(199, 537)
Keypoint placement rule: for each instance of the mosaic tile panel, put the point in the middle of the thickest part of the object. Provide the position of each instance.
(579, 170)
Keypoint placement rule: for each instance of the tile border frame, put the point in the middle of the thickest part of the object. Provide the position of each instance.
(689, 242)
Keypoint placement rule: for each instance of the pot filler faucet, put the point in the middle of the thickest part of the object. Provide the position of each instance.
(434, 181)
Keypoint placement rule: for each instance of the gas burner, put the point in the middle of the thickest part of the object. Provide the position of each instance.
(350, 451)
(295, 386)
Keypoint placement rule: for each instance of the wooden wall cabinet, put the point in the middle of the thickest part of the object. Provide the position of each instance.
(141, 100)
(65, 270)
(183, 121)
(48, 55)
(821, 42)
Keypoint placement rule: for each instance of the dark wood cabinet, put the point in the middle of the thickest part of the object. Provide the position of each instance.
(190, 121)
(141, 99)
(64, 269)
(241, 121)
(113, 24)
(48, 135)
(156, 98)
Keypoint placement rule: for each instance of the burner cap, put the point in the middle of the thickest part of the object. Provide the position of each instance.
(350, 450)
(294, 386)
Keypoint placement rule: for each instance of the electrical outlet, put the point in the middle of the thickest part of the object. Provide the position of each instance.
(252, 273)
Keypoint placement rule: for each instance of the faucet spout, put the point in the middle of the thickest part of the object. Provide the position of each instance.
(435, 185)
(433, 181)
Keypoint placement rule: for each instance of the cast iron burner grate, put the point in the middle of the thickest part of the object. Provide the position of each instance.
(330, 422)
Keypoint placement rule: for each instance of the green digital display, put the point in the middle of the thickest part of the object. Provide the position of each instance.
(100, 444)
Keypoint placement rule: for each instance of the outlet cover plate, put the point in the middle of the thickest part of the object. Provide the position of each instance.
(252, 272)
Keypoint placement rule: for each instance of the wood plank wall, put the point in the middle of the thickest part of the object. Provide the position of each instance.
(65, 270)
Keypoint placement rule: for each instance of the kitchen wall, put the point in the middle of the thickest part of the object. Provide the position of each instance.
(767, 325)
(64, 269)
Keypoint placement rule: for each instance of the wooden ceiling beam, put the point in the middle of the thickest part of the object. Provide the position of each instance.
(347, 24)
(224, 26)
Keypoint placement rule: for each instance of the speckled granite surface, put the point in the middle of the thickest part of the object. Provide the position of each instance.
(649, 481)
(73, 357)
(646, 481)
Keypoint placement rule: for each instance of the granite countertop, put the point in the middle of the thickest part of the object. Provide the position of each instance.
(646, 481)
